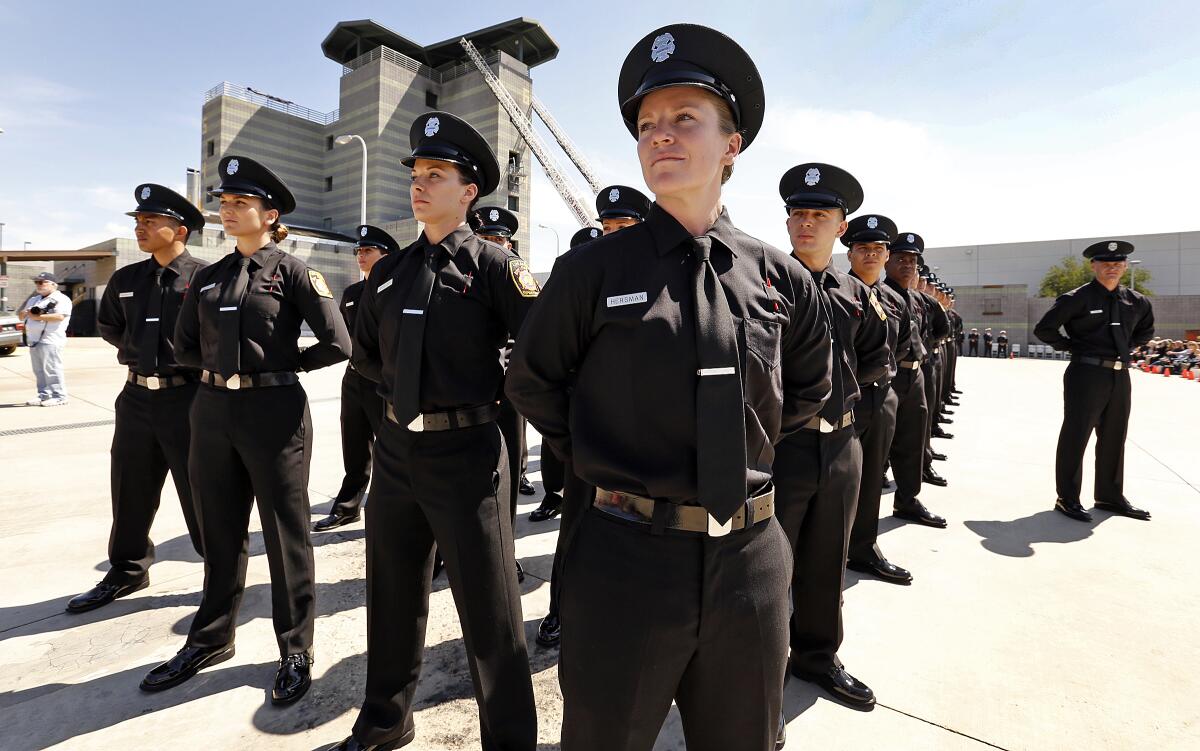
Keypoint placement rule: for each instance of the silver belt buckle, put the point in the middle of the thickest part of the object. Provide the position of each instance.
(234, 382)
(826, 426)
(1118, 365)
(152, 383)
(716, 529)
(418, 424)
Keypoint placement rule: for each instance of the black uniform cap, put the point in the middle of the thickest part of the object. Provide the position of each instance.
(495, 221)
(1108, 250)
(446, 138)
(820, 186)
(46, 276)
(687, 54)
(242, 176)
(907, 242)
(622, 202)
(155, 199)
(370, 236)
(871, 228)
(585, 235)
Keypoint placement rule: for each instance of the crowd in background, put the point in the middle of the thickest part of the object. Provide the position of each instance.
(1169, 354)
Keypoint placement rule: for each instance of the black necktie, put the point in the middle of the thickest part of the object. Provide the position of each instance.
(406, 401)
(831, 411)
(1119, 334)
(148, 346)
(720, 416)
(230, 321)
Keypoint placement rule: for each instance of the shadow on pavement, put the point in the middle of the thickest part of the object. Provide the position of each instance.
(1016, 538)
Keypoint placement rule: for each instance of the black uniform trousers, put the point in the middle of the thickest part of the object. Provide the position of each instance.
(973, 349)
(817, 478)
(447, 488)
(649, 618)
(253, 445)
(911, 436)
(512, 425)
(1094, 399)
(362, 411)
(930, 371)
(577, 499)
(151, 436)
(554, 472)
(875, 423)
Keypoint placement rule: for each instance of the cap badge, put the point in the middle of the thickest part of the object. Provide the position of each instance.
(145, 192)
(872, 223)
(232, 167)
(362, 232)
(663, 47)
(812, 177)
(1112, 246)
(431, 127)
(911, 239)
(494, 215)
(595, 233)
(614, 195)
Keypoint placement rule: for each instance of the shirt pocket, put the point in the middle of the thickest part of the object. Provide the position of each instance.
(762, 339)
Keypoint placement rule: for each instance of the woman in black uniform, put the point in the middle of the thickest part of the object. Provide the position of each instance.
(251, 430)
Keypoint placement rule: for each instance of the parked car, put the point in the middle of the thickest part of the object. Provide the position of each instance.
(11, 330)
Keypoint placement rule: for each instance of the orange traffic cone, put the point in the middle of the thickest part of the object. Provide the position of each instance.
(1167, 372)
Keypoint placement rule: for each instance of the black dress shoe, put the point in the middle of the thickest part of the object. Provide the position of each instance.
(102, 594)
(955, 391)
(349, 744)
(549, 631)
(1073, 509)
(944, 420)
(1124, 508)
(550, 508)
(293, 678)
(933, 478)
(882, 569)
(525, 487)
(520, 573)
(184, 665)
(781, 733)
(915, 511)
(841, 685)
(937, 457)
(335, 520)
(939, 433)
(947, 411)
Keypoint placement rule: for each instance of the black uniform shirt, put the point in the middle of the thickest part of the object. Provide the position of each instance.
(937, 325)
(898, 319)
(475, 303)
(281, 294)
(1002, 339)
(349, 304)
(861, 334)
(1087, 315)
(916, 323)
(974, 337)
(620, 311)
(123, 308)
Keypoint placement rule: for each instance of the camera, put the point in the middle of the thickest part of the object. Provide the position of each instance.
(49, 307)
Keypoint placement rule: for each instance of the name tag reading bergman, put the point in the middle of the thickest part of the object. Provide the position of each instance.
(619, 300)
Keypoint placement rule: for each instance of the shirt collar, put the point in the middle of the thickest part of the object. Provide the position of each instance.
(669, 234)
(454, 242)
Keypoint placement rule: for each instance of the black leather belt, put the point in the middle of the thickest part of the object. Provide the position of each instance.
(248, 380)
(639, 509)
(154, 383)
(1110, 364)
(455, 418)
(909, 364)
(823, 425)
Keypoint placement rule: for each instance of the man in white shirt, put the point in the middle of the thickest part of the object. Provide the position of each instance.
(46, 315)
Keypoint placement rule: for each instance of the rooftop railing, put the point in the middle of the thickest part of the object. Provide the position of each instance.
(404, 61)
(252, 96)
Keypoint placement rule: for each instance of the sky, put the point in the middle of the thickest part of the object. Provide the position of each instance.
(968, 122)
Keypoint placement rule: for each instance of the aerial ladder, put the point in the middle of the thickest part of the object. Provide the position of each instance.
(576, 202)
(567, 145)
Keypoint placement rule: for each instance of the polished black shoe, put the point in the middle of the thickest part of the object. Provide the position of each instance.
(525, 487)
(955, 391)
(184, 665)
(349, 744)
(841, 685)
(915, 511)
(1124, 508)
(939, 433)
(1073, 509)
(102, 594)
(550, 508)
(933, 478)
(944, 420)
(549, 631)
(937, 457)
(882, 569)
(335, 520)
(520, 573)
(948, 411)
(293, 678)
(781, 733)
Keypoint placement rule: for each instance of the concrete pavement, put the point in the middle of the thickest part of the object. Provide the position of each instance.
(1022, 630)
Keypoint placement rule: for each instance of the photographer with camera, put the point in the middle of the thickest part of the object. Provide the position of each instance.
(46, 314)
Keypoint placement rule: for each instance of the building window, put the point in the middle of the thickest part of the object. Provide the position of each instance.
(329, 143)
(430, 99)
(992, 306)
(212, 148)
(515, 247)
(328, 184)
(514, 203)
(208, 192)
(327, 223)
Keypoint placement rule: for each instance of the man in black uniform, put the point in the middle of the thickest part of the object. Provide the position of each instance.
(1002, 344)
(956, 328)
(585, 234)
(1104, 322)
(818, 468)
(907, 453)
(666, 360)
(432, 321)
(137, 316)
(867, 239)
(936, 329)
(362, 409)
(973, 343)
(987, 342)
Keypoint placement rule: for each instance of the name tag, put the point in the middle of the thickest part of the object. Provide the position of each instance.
(384, 286)
(207, 287)
(1097, 311)
(413, 312)
(228, 308)
(715, 371)
(151, 320)
(633, 299)
(1115, 323)
(350, 304)
(125, 294)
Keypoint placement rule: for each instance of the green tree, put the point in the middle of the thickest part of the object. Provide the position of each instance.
(1075, 272)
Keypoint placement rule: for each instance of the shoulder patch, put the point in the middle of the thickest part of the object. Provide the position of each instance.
(877, 306)
(522, 278)
(318, 284)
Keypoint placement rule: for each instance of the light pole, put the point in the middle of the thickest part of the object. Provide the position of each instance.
(1133, 275)
(27, 244)
(342, 141)
(556, 243)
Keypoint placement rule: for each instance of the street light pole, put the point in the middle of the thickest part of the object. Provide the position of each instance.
(342, 141)
(556, 243)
